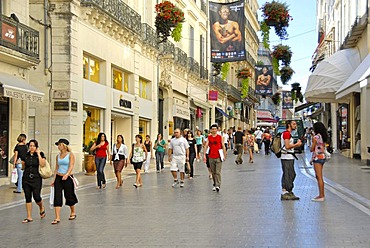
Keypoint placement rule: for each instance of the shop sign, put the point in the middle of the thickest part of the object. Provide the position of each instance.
(9, 33)
(61, 105)
(264, 114)
(22, 95)
(61, 94)
(124, 103)
(199, 112)
(213, 95)
(238, 105)
(74, 106)
(181, 112)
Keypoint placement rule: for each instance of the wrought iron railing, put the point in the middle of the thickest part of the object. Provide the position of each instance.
(203, 7)
(250, 28)
(19, 37)
(219, 83)
(203, 72)
(120, 11)
(252, 92)
(233, 92)
(193, 65)
(167, 47)
(181, 57)
(148, 35)
(250, 59)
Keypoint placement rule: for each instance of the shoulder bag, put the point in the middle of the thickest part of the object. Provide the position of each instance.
(45, 172)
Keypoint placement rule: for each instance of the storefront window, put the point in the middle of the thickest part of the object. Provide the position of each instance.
(144, 89)
(180, 123)
(92, 121)
(4, 138)
(143, 128)
(120, 80)
(344, 134)
(91, 69)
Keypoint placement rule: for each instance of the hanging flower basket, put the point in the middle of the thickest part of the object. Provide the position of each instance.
(244, 73)
(283, 53)
(216, 68)
(295, 86)
(286, 74)
(276, 14)
(168, 21)
(276, 98)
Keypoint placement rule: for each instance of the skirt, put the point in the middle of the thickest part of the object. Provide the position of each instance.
(118, 165)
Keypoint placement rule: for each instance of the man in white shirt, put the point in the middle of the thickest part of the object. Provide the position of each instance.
(225, 138)
(178, 155)
(258, 134)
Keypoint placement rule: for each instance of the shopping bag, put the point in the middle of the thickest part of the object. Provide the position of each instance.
(255, 147)
(14, 176)
(51, 199)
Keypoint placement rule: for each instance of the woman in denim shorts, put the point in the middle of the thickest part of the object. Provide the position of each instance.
(318, 157)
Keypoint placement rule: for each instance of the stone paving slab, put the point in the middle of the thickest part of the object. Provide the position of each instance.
(247, 212)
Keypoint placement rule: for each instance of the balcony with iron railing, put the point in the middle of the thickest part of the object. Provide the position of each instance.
(356, 31)
(120, 11)
(252, 94)
(149, 36)
(181, 57)
(203, 7)
(19, 37)
(193, 66)
(233, 93)
(250, 59)
(250, 28)
(218, 83)
(167, 47)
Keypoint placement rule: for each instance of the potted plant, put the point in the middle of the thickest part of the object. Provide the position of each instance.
(168, 21)
(276, 98)
(216, 68)
(245, 87)
(276, 14)
(296, 92)
(282, 53)
(286, 74)
(244, 73)
(89, 159)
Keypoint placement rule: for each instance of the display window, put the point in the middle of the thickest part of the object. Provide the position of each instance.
(4, 135)
(144, 89)
(91, 69)
(120, 80)
(343, 121)
(92, 124)
(143, 128)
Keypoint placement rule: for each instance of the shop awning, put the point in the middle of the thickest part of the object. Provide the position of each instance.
(352, 84)
(267, 120)
(304, 106)
(15, 87)
(223, 112)
(330, 75)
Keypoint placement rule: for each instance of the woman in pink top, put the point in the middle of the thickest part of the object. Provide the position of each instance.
(102, 151)
(318, 148)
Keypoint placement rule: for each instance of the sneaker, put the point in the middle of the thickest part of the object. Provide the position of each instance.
(135, 185)
(218, 189)
(292, 196)
(214, 189)
(182, 185)
(284, 197)
(175, 183)
(318, 199)
(236, 162)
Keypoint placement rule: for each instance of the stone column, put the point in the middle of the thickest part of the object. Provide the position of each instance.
(334, 126)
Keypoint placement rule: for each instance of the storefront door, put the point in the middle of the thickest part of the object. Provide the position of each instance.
(4, 136)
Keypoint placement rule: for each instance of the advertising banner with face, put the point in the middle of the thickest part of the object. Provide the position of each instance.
(264, 80)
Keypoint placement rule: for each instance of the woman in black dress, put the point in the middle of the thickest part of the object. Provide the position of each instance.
(32, 181)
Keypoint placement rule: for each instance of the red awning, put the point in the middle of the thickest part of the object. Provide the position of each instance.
(267, 119)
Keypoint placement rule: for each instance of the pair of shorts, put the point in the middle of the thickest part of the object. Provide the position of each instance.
(137, 166)
(319, 161)
(178, 164)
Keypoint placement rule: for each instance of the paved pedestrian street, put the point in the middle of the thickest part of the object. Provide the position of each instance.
(247, 212)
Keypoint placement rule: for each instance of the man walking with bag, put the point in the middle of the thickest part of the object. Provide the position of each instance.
(217, 154)
(238, 144)
(287, 161)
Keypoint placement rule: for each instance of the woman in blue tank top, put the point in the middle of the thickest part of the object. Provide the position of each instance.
(64, 181)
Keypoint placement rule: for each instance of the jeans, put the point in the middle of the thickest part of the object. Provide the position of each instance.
(159, 156)
(20, 175)
(259, 143)
(267, 146)
(100, 164)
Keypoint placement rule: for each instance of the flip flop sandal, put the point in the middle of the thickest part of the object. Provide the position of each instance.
(42, 214)
(72, 217)
(55, 222)
(27, 221)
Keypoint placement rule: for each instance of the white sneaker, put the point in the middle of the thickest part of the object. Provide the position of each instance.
(175, 183)
(218, 189)
(182, 185)
(214, 189)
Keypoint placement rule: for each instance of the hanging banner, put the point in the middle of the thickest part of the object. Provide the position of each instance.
(213, 95)
(287, 100)
(227, 23)
(264, 75)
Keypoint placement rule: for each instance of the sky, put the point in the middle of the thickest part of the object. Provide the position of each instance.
(302, 38)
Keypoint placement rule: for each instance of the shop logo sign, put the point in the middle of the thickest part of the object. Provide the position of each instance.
(9, 33)
(124, 103)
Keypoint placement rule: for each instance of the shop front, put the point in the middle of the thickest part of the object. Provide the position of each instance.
(181, 117)
(92, 125)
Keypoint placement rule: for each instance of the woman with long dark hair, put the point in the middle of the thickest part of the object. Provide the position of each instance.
(192, 153)
(138, 156)
(266, 139)
(119, 156)
(160, 147)
(32, 181)
(319, 141)
(102, 151)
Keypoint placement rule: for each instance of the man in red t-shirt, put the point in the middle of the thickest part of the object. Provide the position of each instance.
(287, 161)
(216, 154)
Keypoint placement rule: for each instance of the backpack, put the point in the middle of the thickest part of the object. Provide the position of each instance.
(276, 145)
